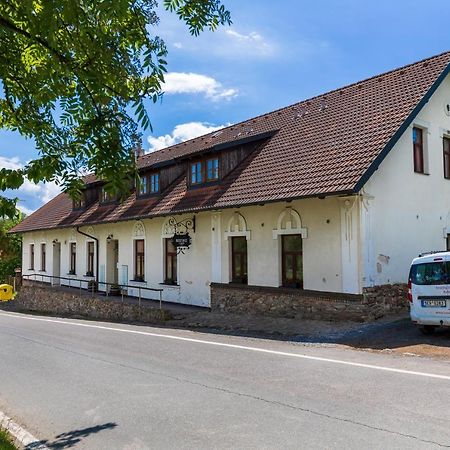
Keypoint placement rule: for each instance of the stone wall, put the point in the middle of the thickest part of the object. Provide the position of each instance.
(58, 301)
(294, 303)
(393, 297)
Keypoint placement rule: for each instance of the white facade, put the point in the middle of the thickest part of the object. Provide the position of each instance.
(405, 213)
(349, 242)
(208, 258)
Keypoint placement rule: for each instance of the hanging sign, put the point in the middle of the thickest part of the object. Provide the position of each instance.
(181, 240)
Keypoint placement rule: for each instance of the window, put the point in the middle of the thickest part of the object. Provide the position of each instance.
(418, 150)
(212, 169)
(154, 183)
(43, 257)
(143, 186)
(139, 260)
(430, 273)
(80, 202)
(73, 258)
(90, 259)
(31, 256)
(292, 260)
(171, 262)
(239, 260)
(106, 196)
(446, 145)
(196, 173)
(448, 242)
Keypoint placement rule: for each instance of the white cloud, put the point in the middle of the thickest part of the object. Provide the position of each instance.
(250, 43)
(178, 45)
(195, 83)
(182, 132)
(24, 209)
(10, 163)
(42, 192)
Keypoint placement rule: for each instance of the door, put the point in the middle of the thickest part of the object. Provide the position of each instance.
(292, 260)
(112, 260)
(56, 263)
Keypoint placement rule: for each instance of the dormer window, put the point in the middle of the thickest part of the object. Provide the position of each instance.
(212, 169)
(107, 197)
(204, 171)
(80, 202)
(196, 172)
(154, 183)
(148, 184)
(143, 186)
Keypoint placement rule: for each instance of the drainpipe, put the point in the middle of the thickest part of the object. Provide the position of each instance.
(97, 251)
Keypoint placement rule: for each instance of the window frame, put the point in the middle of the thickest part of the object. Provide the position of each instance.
(170, 256)
(216, 169)
(72, 258)
(446, 156)
(296, 282)
(110, 197)
(43, 257)
(154, 185)
(204, 172)
(31, 257)
(90, 263)
(79, 203)
(142, 180)
(419, 150)
(150, 184)
(200, 172)
(139, 260)
(243, 257)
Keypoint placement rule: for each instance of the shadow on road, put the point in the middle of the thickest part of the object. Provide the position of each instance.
(400, 336)
(71, 438)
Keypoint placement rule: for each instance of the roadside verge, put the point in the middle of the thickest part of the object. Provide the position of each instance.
(21, 437)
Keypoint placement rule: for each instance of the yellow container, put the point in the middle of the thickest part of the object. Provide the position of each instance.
(6, 292)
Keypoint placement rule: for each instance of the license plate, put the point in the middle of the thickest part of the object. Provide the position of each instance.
(434, 303)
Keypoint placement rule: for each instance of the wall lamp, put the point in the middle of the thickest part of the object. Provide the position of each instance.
(109, 238)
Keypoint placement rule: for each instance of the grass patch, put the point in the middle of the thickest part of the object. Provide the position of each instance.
(5, 441)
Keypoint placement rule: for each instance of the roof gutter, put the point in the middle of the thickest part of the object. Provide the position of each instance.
(404, 126)
(96, 250)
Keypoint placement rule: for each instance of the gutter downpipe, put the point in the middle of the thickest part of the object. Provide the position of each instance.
(96, 253)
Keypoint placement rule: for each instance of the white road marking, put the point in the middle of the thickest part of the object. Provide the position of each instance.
(22, 436)
(235, 346)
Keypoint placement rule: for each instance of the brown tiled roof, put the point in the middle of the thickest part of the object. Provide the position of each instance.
(327, 145)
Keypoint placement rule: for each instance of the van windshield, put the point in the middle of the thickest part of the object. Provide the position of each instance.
(431, 273)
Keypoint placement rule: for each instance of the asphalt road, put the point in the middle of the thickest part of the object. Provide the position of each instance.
(92, 385)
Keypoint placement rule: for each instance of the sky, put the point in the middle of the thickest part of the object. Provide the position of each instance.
(274, 54)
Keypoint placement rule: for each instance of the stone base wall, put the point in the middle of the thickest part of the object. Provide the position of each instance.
(56, 301)
(393, 297)
(301, 304)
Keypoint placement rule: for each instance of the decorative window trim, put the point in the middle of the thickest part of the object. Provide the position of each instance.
(239, 229)
(138, 230)
(297, 229)
(138, 234)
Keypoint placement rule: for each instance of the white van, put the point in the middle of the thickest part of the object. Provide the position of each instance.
(429, 290)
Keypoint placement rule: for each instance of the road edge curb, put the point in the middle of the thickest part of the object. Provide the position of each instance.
(20, 435)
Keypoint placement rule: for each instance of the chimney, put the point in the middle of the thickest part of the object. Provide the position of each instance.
(139, 150)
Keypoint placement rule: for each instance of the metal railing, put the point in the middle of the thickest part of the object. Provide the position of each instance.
(92, 286)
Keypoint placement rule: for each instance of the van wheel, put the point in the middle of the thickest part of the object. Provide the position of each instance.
(427, 329)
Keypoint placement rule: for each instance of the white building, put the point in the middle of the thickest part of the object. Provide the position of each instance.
(336, 194)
